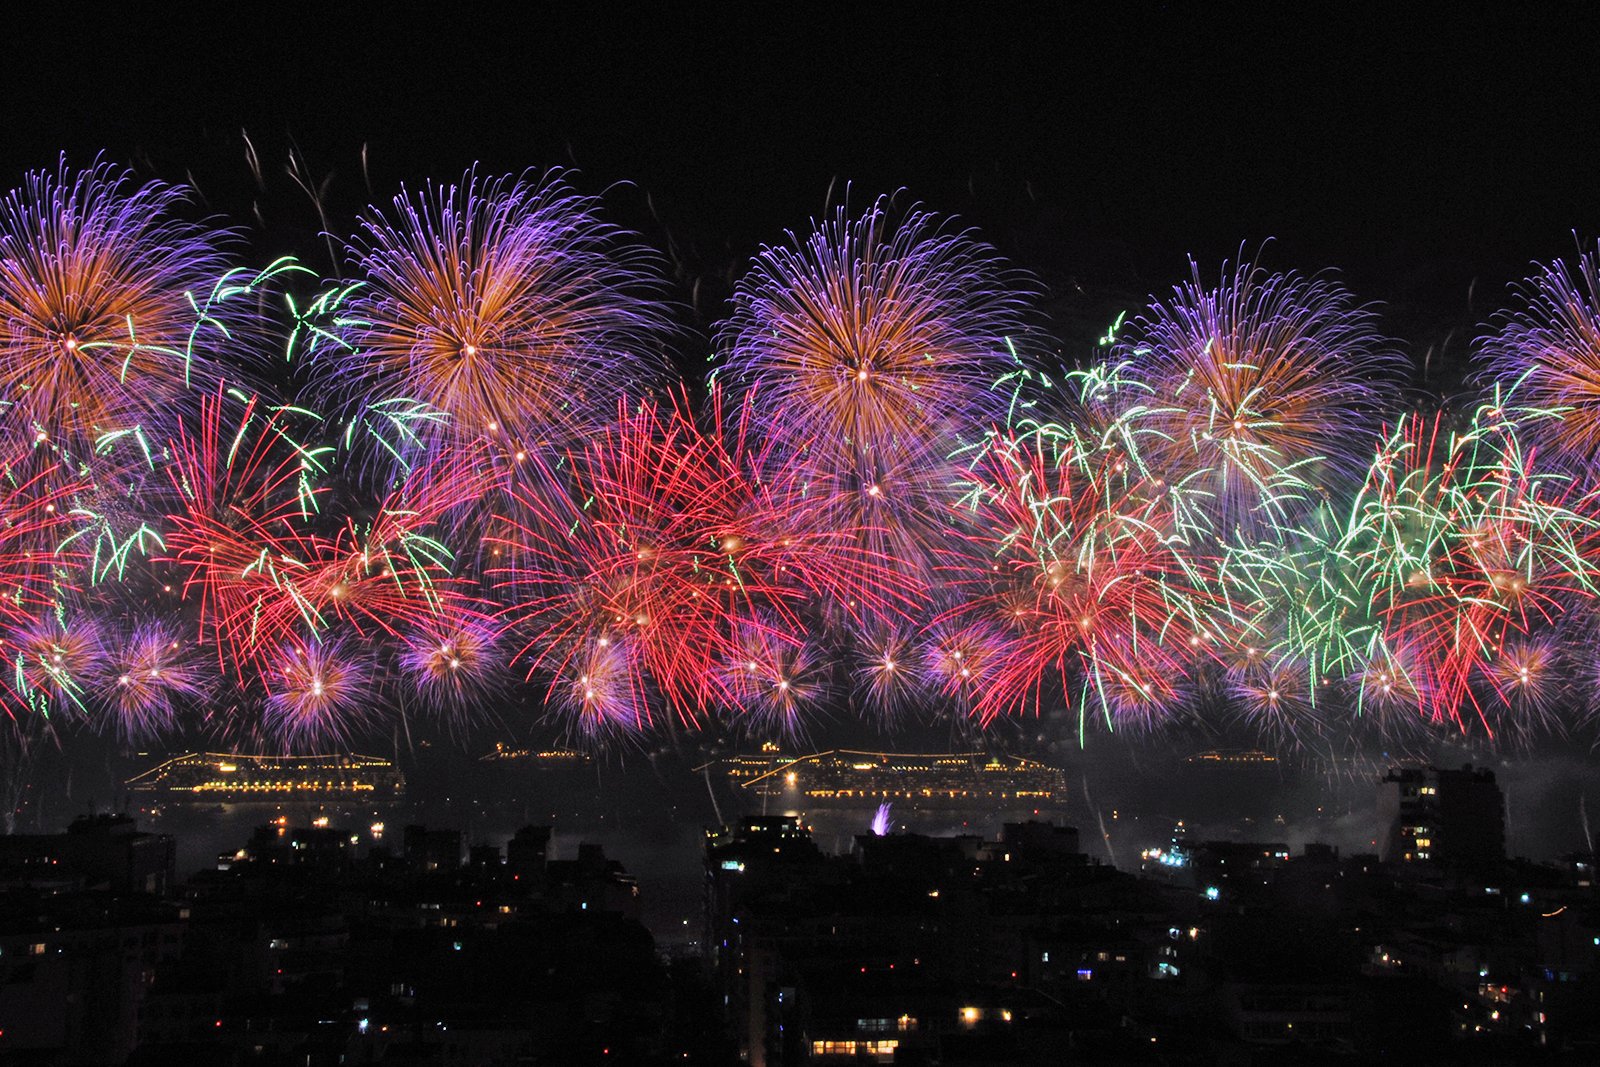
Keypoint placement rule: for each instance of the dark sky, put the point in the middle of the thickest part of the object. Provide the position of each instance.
(1416, 149)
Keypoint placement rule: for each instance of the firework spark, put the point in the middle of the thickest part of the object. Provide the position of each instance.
(1253, 385)
(99, 288)
(320, 692)
(506, 306)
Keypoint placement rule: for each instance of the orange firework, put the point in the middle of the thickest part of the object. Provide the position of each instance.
(506, 306)
(1550, 347)
(874, 348)
(1252, 386)
(97, 319)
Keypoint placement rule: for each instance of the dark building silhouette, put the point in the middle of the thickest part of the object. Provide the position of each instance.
(528, 850)
(1453, 819)
(433, 850)
(96, 850)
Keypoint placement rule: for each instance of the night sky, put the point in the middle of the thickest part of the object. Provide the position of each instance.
(1428, 154)
(1418, 151)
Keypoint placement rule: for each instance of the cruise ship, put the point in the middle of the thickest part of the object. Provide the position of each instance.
(548, 758)
(233, 776)
(849, 777)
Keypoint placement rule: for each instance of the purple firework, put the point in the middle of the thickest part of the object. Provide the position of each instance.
(873, 348)
(505, 306)
(151, 676)
(98, 288)
(319, 692)
(455, 662)
(1550, 348)
(1251, 386)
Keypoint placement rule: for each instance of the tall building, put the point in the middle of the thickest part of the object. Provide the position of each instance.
(1455, 819)
(102, 849)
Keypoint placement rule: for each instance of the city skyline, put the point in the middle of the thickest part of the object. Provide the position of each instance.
(878, 533)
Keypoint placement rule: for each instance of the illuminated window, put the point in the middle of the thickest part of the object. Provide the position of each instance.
(882, 1051)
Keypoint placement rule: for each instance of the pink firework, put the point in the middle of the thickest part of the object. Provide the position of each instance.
(959, 662)
(777, 679)
(1084, 570)
(886, 675)
(1529, 680)
(669, 544)
(320, 692)
(1277, 701)
(597, 691)
(874, 339)
(455, 661)
(150, 677)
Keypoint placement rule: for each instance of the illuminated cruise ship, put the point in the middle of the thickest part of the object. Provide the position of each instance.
(847, 777)
(232, 776)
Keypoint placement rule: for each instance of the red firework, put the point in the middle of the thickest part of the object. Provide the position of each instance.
(237, 530)
(1470, 550)
(1080, 568)
(383, 576)
(670, 543)
(34, 504)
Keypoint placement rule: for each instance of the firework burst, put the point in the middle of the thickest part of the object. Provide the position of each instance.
(1085, 571)
(598, 691)
(670, 544)
(236, 534)
(776, 679)
(1550, 348)
(99, 289)
(1467, 547)
(887, 676)
(1253, 385)
(875, 347)
(150, 677)
(506, 306)
(455, 662)
(60, 656)
(319, 693)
